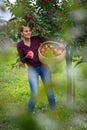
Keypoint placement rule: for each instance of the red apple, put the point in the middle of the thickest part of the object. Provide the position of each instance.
(42, 49)
(45, 1)
(42, 53)
(32, 21)
(50, 46)
(60, 14)
(36, 28)
(59, 52)
(30, 54)
(46, 46)
(54, 50)
(85, 27)
(43, 31)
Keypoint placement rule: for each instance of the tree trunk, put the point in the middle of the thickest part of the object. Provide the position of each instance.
(69, 75)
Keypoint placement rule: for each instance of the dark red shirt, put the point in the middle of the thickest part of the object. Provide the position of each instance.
(23, 50)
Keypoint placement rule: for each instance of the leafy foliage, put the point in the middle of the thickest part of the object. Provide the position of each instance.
(52, 18)
(60, 21)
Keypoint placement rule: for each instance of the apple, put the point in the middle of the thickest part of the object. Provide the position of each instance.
(30, 54)
(32, 21)
(42, 49)
(59, 52)
(85, 27)
(46, 46)
(45, 1)
(54, 51)
(60, 14)
(43, 31)
(36, 28)
(50, 46)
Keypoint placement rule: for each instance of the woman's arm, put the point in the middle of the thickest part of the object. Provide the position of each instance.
(24, 58)
(42, 39)
(20, 53)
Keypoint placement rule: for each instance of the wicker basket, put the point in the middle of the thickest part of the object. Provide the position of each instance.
(58, 58)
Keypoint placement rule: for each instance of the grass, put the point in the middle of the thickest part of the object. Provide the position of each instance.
(14, 96)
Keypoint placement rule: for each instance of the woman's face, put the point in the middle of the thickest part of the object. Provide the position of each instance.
(26, 33)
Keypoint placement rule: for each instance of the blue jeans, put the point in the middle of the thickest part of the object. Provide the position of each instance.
(33, 77)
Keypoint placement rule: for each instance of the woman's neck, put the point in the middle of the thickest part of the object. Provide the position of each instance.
(27, 42)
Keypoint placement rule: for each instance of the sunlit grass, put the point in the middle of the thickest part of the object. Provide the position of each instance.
(15, 92)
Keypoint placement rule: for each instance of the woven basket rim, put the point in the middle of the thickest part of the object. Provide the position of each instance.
(53, 42)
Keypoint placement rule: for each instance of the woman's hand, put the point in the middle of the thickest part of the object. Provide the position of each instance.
(30, 55)
(21, 64)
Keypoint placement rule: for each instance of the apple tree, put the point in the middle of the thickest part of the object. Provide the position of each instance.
(63, 20)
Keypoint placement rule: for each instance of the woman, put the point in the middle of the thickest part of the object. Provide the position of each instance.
(28, 53)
